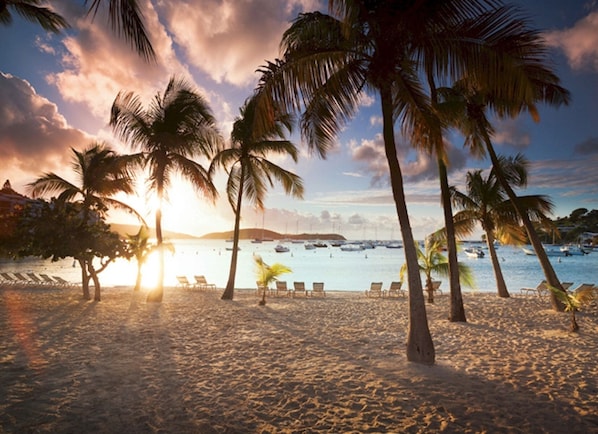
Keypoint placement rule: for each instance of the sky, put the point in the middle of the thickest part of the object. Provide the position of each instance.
(56, 92)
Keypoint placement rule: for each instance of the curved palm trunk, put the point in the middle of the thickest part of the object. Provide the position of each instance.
(549, 273)
(501, 286)
(230, 285)
(457, 311)
(93, 275)
(420, 347)
(139, 276)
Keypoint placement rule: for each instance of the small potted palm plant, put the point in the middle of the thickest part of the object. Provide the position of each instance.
(266, 274)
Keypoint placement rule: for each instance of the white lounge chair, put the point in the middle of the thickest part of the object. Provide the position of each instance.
(202, 283)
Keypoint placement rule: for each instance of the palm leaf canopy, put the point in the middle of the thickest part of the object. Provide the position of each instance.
(177, 128)
(32, 11)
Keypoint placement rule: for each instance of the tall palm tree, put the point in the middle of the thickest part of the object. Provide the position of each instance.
(485, 202)
(101, 174)
(177, 127)
(249, 170)
(538, 84)
(32, 10)
(382, 46)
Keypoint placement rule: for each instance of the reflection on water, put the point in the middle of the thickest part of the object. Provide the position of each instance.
(339, 270)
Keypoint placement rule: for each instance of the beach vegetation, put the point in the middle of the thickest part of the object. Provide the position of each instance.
(527, 81)
(175, 129)
(60, 229)
(32, 11)
(574, 301)
(249, 170)
(431, 261)
(267, 274)
(486, 203)
(101, 174)
(138, 246)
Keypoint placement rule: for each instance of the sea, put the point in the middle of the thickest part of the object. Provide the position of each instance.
(339, 270)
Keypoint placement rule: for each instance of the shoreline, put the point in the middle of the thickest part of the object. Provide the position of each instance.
(195, 363)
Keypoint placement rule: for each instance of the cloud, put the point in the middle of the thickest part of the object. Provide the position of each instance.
(579, 43)
(509, 132)
(415, 166)
(229, 40)
(34, 136)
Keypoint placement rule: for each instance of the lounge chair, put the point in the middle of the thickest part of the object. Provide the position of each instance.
(63, 282)
(48, 280)
(8, 279)
(22, 279)
(202, 283)
(395, 289)
(35, 279)
(183, 282)
(318, 289)
(299, 289)
(282, 289)
(539, 290)
(375, 290)
(436, 287)
(583, 287)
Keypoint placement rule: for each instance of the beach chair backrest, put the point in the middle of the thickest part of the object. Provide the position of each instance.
(318, 286)
(201, 280)
(299, 286)
(281, 285)
(376, 286)
(395, 286)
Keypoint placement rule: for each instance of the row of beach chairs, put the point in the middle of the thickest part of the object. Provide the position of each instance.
(199, 282)
(298, 289)
(541, 290)
(395, 289)
(17, 279)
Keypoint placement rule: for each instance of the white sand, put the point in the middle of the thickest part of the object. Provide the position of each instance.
(198, 364)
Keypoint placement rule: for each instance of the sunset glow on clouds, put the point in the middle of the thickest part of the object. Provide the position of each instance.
(56, 92)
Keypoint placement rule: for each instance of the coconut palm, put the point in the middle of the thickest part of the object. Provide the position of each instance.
(486, 203)
(250, 172)
(432, 261)
(386, 47)
(32, 10)
(573, 301)
(101, 174)
(177, 127)
(266, 274)
(538, 84)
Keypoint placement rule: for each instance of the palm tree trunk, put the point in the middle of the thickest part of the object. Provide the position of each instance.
(501, 286)
(420, 347)
(84, 279)
(158, 293)
(230, 284)
(97, 296)
(549, 273)
(457, 311)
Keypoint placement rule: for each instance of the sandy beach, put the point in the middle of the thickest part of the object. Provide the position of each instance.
(196, 364)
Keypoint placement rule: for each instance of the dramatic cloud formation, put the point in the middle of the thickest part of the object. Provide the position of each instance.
(579, 43)
(32, 130)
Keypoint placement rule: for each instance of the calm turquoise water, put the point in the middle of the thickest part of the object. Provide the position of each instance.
(339, 270)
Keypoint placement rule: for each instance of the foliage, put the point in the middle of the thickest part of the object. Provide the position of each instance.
(574, 301)
(250, 171)
(267, 274)
(174, 130)
(432, 261)
(58, 229)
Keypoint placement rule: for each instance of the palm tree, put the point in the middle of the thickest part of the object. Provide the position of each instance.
(485, 202)
(432, 261)
(266, 274)
(101, 174)
(382, 46)
(538, 84)
(177, 127)
(250, 172)
(32, 11)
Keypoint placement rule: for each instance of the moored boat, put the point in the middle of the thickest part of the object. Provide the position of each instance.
(281, 249)
(474, 252)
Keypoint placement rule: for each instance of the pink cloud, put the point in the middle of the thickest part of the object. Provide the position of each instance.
(579, 43)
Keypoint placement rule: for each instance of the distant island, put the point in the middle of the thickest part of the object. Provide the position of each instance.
(267, 235)
(244, 234)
